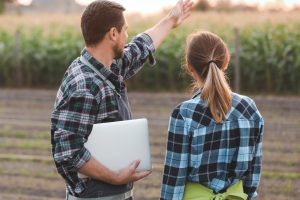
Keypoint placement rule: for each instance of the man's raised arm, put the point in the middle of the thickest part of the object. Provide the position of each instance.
(177, 15)
(142, 47)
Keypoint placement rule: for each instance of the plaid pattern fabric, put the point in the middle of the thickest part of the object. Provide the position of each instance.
(83, 99)
(213, 154)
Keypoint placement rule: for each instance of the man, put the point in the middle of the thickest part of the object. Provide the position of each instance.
(85, 97)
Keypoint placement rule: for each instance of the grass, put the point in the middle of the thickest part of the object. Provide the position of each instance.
(24, 172)
(19, 134)
(43, 135)
(283, 133)
(286, 190)
(13, 158)
(5, 130)
(26, 145)
(9, 157)
(277, 175)
(165, 132)
(291, 163)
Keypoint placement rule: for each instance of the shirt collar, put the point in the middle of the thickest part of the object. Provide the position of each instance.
(108, 74)
(197, 93)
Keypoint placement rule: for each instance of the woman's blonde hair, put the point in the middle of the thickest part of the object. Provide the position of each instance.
(208, 55)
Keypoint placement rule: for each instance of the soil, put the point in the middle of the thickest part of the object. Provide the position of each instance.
(25, 118)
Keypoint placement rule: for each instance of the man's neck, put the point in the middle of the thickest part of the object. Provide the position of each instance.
(102, 54)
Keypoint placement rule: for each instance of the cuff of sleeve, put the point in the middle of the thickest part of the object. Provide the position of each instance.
(81, 158)
(149, 42)
(252, 195)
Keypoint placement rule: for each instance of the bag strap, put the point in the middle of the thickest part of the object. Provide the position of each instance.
(84, 61)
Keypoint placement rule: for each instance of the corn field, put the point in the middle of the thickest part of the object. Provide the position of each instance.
(269, 61)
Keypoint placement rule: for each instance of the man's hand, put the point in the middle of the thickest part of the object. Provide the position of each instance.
(181, 11)
(96, 170)
(129, 175)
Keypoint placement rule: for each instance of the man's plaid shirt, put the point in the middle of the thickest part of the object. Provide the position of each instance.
(83, 99)
(213, 154)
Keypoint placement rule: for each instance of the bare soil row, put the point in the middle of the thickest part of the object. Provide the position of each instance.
(25, 120)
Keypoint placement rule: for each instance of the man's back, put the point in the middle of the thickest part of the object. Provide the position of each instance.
(83, 100)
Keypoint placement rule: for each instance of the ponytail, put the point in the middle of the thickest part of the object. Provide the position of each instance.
(216, 93)
(209, 57)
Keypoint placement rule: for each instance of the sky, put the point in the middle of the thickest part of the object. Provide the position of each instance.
(146, 6)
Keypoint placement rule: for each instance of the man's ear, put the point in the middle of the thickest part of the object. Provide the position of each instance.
(113, 34)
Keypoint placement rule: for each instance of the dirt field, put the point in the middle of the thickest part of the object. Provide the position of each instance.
(28, 172)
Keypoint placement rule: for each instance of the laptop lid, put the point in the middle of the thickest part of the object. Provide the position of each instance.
(117, 144)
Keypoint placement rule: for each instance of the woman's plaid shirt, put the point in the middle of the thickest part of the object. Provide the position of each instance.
(83, 99)
(213, 154)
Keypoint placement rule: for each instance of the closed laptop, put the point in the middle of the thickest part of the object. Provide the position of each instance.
(117, 144)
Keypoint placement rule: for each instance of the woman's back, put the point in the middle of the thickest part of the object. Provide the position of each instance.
(215, 155)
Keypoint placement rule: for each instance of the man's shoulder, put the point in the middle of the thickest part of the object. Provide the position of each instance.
(83, 77)
(80, 77)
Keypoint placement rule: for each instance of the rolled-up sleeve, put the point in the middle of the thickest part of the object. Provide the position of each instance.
(136, 54)
(177, 158)
(74, 121)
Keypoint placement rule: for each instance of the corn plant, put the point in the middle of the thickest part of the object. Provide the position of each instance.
(269, 61)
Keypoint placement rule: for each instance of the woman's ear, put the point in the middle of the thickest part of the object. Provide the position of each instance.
(189, 67)
(225, 64)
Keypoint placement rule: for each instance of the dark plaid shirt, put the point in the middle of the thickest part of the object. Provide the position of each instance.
(213, 154)
(83, 99)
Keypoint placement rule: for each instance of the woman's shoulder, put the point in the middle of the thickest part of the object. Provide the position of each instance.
(244, 107)
(194, 109)
(194, 112)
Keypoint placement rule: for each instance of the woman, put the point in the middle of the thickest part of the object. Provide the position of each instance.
(215, 138)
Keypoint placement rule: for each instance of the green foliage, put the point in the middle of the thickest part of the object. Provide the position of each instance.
(269, 59)
(45, 58)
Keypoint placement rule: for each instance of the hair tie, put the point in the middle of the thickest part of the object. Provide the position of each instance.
(212, 61)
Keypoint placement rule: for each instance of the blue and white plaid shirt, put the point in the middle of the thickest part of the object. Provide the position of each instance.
(213, 154)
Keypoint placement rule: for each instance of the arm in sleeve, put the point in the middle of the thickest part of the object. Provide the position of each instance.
(74, 122)
(252, 181)
(176, 160)
(136, 54)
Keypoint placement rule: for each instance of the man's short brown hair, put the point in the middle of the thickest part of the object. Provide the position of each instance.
(98, 18)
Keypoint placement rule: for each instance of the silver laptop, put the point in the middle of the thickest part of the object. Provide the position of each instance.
(117, 144)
